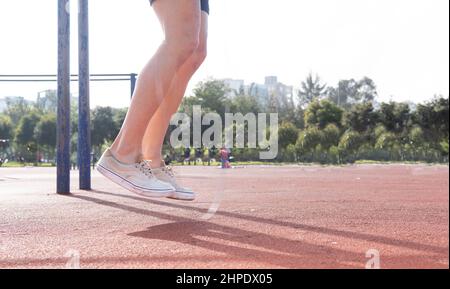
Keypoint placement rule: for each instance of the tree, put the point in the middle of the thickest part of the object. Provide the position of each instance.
(16, 108)
(25, 140)
(288, 134)
(311, 89)
(444, 148)
(394, 116)
(350, 142)
(245, 104)
(361, 117)
(74, 117)
(344, 93)
(45, 134)
(350, 92)
(331, 136)
(6, 128)
(102, 125)
(45, 131)
(433, 117)
(211, 94)
(294, 115)
(349, 146)
(367, 90)
(308, 140)
(320, 114)
(25, 129)
(386, 141)
(416, 136)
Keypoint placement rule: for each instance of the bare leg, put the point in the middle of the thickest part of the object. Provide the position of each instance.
(181, 21)
(157, 128)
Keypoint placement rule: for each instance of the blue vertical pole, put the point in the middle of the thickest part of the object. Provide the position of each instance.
(133, 78)
(63, 125)
(84, 133)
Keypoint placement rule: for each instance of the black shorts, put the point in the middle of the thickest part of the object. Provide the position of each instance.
(204, 4)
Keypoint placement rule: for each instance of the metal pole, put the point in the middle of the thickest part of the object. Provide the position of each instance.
(63, 127)
(84, 133)
(133, 77)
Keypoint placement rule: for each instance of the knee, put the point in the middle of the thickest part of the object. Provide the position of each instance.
(201, 53)
(189, 47)
(183, 49)
(199, 56)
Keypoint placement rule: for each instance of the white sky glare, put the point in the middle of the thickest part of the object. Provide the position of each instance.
(402, 44)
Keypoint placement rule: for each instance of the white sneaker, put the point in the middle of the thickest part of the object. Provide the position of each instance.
(137, 178)
(166, 174)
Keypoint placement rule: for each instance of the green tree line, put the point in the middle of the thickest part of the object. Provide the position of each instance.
(325, 124)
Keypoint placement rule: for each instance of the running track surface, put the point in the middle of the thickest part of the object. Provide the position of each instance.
(269, 217)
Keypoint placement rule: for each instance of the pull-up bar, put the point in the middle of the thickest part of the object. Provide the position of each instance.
(74, 77)
(131, 77)
(63, 79)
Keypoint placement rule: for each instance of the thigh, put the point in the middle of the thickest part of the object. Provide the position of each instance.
(180, 19)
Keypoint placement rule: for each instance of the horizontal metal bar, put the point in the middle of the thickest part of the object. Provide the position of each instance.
(111, 79)
(28, 80)
(54, 80)
(54, 75)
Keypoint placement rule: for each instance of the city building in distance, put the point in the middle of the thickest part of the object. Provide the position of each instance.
(271, 93)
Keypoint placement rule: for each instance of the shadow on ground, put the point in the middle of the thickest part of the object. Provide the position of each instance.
(249, 246)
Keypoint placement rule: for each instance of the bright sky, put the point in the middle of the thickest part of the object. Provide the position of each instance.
(402, 44)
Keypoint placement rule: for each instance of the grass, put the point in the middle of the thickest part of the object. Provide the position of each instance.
(19, 165)
(249, 163)
(360, 162)
(371, 162)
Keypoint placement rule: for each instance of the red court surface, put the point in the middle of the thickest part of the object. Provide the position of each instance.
(269, 217)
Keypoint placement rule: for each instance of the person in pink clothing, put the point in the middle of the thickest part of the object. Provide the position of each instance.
(225, 158)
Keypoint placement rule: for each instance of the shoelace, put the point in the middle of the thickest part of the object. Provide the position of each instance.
(145, 168)
(168, 170)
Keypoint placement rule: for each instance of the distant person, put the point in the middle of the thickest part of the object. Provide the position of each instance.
(225, 158)
(198, 155)
(187, 155)
(212, 154)
(134, 161)
(205, 156)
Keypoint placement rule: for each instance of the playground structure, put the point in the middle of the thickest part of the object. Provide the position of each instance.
(26, 78)
(63, 92)
(63, 114)
(63, 79)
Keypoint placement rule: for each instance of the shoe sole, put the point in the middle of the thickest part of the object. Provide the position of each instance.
(130, 187)
(181, 196)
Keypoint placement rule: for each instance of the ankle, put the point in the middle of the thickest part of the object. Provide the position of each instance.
(156, 161)
(126, 157)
